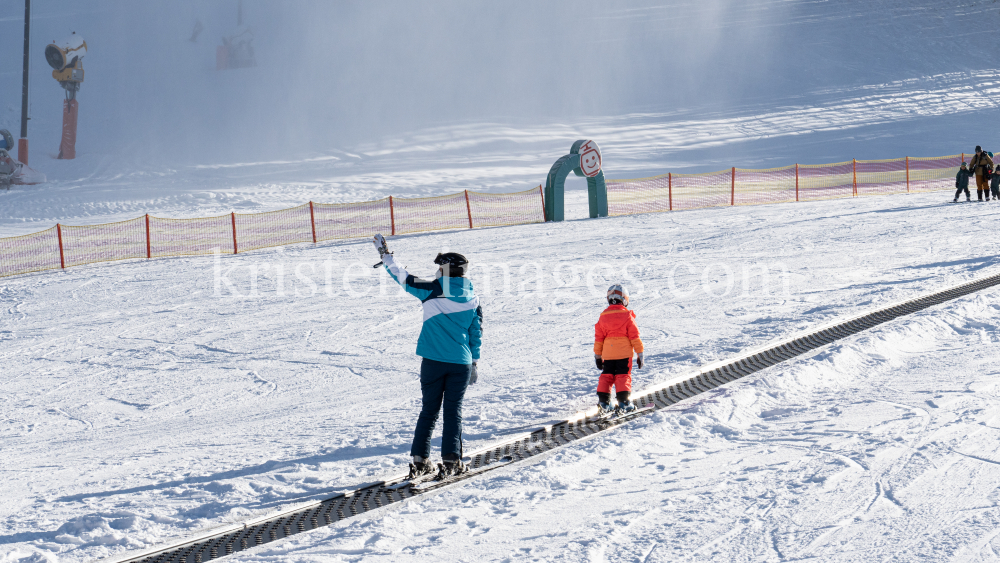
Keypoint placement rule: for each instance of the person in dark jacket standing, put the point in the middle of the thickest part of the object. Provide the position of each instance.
(449, 343)
(982, 166)
(962, 182)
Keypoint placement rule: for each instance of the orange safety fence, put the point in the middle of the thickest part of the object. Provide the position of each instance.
(64, 246)
(153, 237)
(739, 186)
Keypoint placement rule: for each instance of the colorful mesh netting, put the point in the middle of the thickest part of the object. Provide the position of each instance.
(147, 236)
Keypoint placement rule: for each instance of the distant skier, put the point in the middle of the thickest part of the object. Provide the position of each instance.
(962, 183)
(616, 337)
(995, 184)
(982, 166)
(449, 343)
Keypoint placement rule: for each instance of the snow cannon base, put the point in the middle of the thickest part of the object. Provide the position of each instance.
(13, 172)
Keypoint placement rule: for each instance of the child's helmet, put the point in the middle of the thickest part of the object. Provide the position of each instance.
(618, 294)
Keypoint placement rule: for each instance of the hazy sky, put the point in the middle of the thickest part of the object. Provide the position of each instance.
(333, 74)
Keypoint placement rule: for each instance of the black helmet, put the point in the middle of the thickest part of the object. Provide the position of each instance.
(457, 265)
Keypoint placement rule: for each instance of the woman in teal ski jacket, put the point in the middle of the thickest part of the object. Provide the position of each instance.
(449, 343)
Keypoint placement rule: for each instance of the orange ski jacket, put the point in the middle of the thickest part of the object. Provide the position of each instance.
(616, 335)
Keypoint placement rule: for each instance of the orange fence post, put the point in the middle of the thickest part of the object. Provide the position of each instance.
(62, 258)
(542, 195)
(468, 208)
(732, 196)
(312, 220)
(670, 190)
(854, 167)
(796, 181)
(392, 217)
(148, 253)
(907, 174)
(233, 215)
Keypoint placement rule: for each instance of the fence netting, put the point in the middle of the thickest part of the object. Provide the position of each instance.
(273, 228)
(30, 253)
(63, 246)
(502, 210)
(352, 220)
(104, 243)
(804, 182)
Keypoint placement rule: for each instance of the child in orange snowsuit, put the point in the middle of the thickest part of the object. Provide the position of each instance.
(616, 337)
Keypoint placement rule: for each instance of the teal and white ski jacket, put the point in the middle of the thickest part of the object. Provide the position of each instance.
(452, 330)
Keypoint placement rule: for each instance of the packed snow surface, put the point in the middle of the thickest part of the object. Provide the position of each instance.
(149, 400)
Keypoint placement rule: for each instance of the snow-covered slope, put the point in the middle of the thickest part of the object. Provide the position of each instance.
(147, 400)
(142, 404)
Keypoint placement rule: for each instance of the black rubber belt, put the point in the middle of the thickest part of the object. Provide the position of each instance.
(227, 540)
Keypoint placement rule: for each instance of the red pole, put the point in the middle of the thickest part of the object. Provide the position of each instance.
(62, 258)
(541, 194)
(233, 215)
(468, 208)
(670, 189)
(67, 148)
(732, 200)
(392, 216)
(148, 253)
(312, 221)
(907, 174)
(854, 166)
(796, 181)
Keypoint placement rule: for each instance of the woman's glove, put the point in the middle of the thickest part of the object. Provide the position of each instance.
(475, 374)
(638, 361)
(600, 362)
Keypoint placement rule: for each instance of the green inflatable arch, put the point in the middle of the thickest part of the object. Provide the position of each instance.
(555, 182)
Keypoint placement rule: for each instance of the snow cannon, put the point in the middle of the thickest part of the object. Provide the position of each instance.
(12, 171)
(66, 60)
(584, 159)
(66, 57)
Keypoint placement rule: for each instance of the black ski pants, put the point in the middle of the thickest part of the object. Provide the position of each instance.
(958, 192)
(442, 385)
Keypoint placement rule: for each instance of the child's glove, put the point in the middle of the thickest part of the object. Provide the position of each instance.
(600, 362)
(475, 374)
(638, 361)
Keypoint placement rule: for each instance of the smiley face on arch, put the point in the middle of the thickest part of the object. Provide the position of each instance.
(590, 159)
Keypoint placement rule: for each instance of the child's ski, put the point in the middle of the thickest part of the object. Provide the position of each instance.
(619, 416)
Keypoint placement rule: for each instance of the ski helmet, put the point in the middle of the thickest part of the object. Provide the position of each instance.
(618, 294)
(457, 264)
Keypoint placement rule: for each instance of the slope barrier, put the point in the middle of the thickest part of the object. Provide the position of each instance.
(229, 539)
(64, 246)
(739, 186)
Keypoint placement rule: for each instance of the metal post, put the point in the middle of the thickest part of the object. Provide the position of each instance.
(468, 207)
(312, 220)
(796, 181)
(22, 143)
(732, 197)
(392, 216)
(542, 195)
(62, 257)
(907, 174)
(670, 189)
(233, 215)
(854, 167)
(149, 254)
